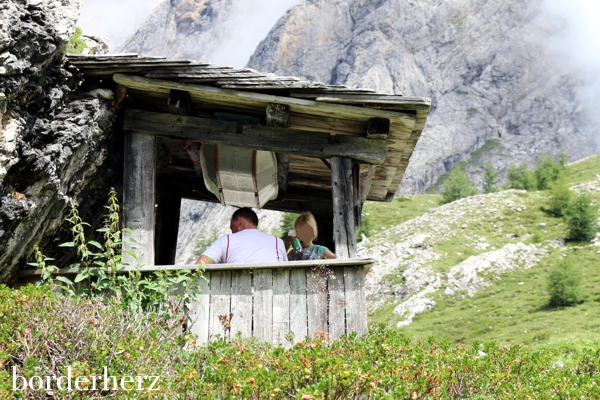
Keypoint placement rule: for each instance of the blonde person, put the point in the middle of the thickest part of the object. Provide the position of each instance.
(306, 230)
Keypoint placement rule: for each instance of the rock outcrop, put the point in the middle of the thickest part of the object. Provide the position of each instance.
(488, 65)
(54, 146)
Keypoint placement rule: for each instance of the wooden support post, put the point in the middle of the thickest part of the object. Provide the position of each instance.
(167, 228)
(367, 173)
(139, 196)
(343, 207)
(278, 115)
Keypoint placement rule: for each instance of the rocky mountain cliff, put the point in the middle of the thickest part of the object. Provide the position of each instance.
(55, 146)
(488, 66)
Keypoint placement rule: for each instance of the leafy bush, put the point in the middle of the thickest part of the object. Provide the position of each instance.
(547, 171)
(381, 364)
(582, 217)
(366, 227)
(76, 44)
(99, 265)
(564, 285)
(287, 222)
(204, 242)
(559, 200)
(457, 186)
(490, 178)
(521, 177)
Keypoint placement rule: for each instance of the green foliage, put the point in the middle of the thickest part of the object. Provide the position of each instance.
(564, 284)
(366, 228)
(444, 177)
(521, 177)
(490, 178)
(560, 196)
(547, 171)
(99, 267)
(204, 242)
(380, 364)
(76, 44)
(287, 223)
(581, 218)
(457, 186)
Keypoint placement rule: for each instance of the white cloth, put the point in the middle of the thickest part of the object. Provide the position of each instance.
(247, 246)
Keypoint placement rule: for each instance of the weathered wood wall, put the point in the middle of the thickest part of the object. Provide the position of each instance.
(269, 303)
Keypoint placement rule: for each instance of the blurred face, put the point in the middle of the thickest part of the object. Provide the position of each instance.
(305, 233)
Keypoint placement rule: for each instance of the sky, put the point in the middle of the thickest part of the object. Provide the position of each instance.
(117, 19)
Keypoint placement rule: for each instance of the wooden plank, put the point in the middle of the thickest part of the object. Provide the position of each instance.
(263, 305)
(367, 172)
(337, 303)
(310, 144)
(316, 302)
(241, 303)
(257, 100)
(298, 310)
(218, 267)
(356, 307)
(139, 196)
(343, 211)
(220, 302)
(200, 312)
(283, 166)
(281, 305)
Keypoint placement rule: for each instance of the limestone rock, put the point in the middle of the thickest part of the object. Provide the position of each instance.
(487, 65)
(54, 146)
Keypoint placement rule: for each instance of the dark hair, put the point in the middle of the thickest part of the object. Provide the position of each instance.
(247, 214)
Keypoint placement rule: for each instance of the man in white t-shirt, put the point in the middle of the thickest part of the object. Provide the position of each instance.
(245, 244)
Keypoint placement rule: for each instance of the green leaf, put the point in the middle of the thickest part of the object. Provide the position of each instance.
(130, 241)
(33, 264)
(64, 279)
(132, 254)
(67, 244)
(103, 230)
(81, 276)
(95, 244)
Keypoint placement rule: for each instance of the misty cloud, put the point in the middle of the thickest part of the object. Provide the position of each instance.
(114, 19)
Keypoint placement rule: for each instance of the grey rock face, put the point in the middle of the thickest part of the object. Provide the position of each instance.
(487, 65)
(182, 29)
(54, 147)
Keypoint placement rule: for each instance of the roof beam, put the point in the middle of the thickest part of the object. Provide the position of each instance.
(234, 98)
(280, 140)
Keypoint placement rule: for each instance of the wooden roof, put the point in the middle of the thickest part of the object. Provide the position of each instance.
(315, 107)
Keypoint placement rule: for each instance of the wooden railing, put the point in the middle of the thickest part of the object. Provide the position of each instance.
(323, 298)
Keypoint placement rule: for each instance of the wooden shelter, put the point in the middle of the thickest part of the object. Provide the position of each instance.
(335, 148)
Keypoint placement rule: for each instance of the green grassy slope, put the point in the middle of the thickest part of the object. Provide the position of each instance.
(512, 310)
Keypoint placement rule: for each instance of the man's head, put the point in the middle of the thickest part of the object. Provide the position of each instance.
(243, 218)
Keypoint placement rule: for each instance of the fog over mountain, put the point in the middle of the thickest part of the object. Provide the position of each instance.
(493, 68)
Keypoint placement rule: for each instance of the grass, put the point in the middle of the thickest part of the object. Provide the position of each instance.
(402, 209)
(512, 310)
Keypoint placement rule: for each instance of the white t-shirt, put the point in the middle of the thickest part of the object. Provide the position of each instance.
(247, 246)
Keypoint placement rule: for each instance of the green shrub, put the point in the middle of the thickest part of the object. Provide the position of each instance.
(564, 285)
(559, 200)
(490, 178)
(521, 177)
(366, 227)
(547, 171)
(582, 218)
(76, 44)
(457, 186)
(287, 222)
(204, 242)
